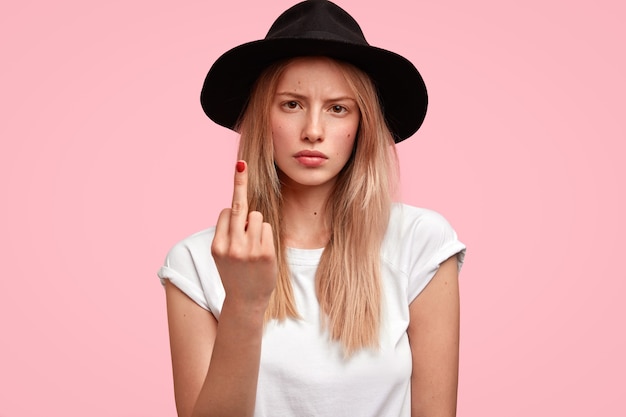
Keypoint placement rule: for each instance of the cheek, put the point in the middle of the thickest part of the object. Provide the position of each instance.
(352, 131)
(279, 127)
(276, 128)
(351, 136)
(277, 135)
(347, 144)
(276, 123)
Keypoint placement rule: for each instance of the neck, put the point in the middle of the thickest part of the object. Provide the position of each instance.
(305, 220)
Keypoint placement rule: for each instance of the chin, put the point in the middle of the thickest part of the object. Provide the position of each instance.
(305, 181)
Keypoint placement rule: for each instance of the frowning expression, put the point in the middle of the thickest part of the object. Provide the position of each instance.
(314, 119)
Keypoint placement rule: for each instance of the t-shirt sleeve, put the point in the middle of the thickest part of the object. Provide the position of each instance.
(190, 267)
(433, 241)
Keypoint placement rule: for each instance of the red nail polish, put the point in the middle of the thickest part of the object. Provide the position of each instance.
(241, 166)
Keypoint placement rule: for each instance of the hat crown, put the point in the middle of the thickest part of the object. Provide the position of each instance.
(316, 28)
(317, 19)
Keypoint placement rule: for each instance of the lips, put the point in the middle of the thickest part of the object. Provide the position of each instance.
(310, 158)
(311, 154)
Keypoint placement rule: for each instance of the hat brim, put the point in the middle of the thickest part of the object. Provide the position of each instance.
(400, 86)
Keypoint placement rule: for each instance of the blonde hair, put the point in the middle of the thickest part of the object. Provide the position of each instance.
(348, 278)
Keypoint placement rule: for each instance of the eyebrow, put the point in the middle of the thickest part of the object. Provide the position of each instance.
(301, 97)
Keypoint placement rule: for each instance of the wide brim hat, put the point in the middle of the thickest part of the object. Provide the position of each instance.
(316, 28)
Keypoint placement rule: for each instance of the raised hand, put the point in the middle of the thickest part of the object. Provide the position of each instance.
(243, 249)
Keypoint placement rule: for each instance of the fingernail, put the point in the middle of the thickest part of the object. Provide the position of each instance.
(241, 166)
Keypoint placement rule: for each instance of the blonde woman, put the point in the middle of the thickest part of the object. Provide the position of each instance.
(314, 294)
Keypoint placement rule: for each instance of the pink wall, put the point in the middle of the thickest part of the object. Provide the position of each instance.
(107, 160)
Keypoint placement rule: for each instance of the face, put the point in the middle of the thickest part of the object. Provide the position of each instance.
(314, 119)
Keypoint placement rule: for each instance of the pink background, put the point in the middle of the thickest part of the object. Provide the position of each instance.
(108, 160)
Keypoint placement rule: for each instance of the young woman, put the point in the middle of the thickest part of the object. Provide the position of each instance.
(315, 295)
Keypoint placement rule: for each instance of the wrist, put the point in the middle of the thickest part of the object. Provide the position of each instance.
(251, 311)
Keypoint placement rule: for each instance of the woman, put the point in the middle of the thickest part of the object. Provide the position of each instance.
(303, 300)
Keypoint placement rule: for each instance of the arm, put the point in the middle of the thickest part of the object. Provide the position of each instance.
(434, 337)
(230, 383)
(192, 336)
(216, 365)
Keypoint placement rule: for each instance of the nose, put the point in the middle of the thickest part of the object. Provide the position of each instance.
(314, 127)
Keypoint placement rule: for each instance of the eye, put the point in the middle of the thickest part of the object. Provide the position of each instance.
(291, 104)
(338, 109)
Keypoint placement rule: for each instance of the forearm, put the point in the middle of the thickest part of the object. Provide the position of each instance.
(231, 382)
(244, 254)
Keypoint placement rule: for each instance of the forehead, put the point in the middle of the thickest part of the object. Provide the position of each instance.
(313, 73)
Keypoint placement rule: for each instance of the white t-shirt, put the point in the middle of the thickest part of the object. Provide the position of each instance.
(302, 373)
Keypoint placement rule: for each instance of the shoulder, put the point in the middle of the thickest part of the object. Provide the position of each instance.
(197, 244)
(190, 267)
(192, 255)
(417, 241)
(417, 226)
(405, 212)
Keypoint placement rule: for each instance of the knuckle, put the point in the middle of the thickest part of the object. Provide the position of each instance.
(262, 258)
(217, 250)
(254, 257)
(238, 208)
(255, 216)
(236, 253)
(267, 256)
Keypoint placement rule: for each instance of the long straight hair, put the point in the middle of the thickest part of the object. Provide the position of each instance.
(348, 278)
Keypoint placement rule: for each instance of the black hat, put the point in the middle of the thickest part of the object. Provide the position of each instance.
(316, 28)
